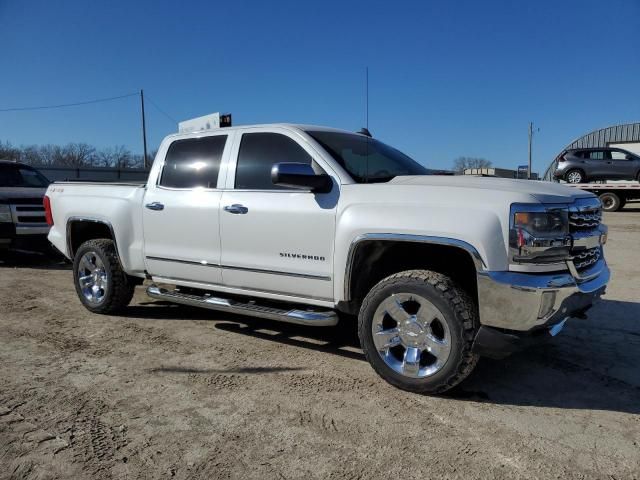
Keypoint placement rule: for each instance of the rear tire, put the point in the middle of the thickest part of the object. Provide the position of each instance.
(610, 202)
(417, 329)
(101, 283)
(575, 176)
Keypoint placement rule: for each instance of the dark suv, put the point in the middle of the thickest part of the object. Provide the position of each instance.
(581, 165)
(23, 222)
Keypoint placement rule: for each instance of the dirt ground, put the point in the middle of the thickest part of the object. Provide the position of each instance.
(167, 391)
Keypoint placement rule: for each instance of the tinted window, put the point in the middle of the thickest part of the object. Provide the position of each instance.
(618, 155)
(367, 159)
(258, 152)
(193, 162)
(596, 155)
(19, 176)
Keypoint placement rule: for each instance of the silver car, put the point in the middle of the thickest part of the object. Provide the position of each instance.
(582, 165)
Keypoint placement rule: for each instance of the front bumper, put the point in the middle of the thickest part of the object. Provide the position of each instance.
(530, 301)
(24, 237)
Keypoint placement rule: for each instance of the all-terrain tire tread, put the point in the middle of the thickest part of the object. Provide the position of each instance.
(122, 287)
(464, 307)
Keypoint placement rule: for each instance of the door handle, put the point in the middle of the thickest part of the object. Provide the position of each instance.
(236, 208)
(155, 206)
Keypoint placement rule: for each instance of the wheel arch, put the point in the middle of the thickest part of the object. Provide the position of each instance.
(391, 253)
(82, 229)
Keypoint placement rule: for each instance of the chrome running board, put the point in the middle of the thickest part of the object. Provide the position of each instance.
(321, 318)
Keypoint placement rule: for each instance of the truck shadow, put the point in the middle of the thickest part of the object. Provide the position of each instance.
(46, 260)
(592, 365)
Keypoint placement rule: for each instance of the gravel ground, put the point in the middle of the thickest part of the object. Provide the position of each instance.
(169, 391)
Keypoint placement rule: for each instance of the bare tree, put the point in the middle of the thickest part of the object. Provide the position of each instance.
(72, 155)
(462, 163)
(117, 157)
(51, 155)
(79, 155)
(9, 152)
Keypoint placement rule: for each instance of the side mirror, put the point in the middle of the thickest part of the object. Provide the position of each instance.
(300, 175)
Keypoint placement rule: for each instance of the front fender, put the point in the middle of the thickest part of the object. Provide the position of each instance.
(477, 230)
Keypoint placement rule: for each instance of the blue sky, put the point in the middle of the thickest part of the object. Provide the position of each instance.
(446, 78)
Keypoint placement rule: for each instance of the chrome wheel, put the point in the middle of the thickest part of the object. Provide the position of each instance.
(574, 177)
(411, 335)
(92, 278)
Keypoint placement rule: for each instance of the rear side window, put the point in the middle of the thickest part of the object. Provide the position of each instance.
(193, 162)
(259, 152)
(596, 155)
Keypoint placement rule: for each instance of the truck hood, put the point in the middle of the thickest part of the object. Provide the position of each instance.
(7, 193)
(544, 192)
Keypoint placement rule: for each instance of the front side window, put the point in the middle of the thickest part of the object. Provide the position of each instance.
(366, 159)
(619, 155)
(193, 162)
(259, 152)
(19, 176)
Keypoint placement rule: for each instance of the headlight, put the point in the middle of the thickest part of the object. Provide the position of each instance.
(5, 213)
(539, 234)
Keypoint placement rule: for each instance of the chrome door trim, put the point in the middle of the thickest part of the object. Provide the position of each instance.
(279, 272)
(452, 242)
(204, 263)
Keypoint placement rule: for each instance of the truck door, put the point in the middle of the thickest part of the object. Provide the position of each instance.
(276, 240)
(181, 212)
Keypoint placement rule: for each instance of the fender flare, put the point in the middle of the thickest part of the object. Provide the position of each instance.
(478, 261)
(72, 220)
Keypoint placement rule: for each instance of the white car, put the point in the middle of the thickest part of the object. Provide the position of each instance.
(312, 225)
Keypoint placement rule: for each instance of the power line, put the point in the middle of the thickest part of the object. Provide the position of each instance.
(161, 110)
(45, 107)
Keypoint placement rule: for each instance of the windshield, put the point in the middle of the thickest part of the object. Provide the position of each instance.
(20, 176)
(366, 159)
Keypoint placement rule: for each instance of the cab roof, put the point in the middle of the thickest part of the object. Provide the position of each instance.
(290, 126)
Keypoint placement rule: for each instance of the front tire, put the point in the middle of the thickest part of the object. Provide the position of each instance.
(417, 329)
(574, 176)
(101, 283)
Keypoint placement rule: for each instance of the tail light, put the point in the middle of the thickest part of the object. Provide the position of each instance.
(47, 211)
(561, 158)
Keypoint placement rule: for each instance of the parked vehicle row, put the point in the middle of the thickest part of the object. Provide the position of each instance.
(313, 225)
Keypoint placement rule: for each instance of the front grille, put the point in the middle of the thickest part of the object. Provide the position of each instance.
(586, 258)
(585, 220)
(25, 201)
(30, 208)
(585, 216)
(34, 219)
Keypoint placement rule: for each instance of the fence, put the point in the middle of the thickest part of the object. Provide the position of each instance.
(95, 174)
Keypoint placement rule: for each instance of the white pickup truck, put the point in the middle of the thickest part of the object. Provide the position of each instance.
(310, 225)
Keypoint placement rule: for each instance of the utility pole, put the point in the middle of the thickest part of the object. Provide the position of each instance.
(530, 146)
(144, 129)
